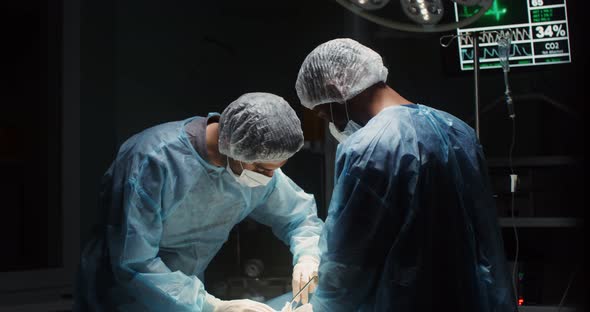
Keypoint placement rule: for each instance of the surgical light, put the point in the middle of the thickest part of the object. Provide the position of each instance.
(423, 14)
(426, 12)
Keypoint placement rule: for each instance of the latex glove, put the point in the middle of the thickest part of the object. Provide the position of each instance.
(241, 305)
(304, 308)
(305, 269)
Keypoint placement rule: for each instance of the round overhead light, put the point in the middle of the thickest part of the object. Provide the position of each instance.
(425, 12)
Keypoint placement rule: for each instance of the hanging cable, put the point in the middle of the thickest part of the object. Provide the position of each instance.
(513, 182)
(504, 50)
(567, 289)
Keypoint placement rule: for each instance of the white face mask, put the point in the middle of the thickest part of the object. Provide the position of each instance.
(350, 128)
(248, 177)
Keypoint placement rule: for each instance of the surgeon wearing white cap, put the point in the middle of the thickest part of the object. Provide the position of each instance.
(174, 192)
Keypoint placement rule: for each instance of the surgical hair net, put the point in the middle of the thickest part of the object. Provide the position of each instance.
(259, 127)
(337, 71)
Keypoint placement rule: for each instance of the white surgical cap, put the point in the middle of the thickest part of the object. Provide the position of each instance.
(259, 127)
(345, 64)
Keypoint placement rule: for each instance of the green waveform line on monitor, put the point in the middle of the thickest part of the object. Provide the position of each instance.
(495, 10)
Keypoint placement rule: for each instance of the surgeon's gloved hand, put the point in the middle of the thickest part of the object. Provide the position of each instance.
(304, 308)
(241, 305)
(305, 269)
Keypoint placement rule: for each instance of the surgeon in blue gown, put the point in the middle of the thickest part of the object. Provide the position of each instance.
(412, 224)
(174, 192)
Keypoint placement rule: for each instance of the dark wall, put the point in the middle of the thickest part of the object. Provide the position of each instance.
(30, 139)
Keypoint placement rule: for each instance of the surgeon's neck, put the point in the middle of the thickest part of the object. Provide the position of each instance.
(373, 100)
(212, 143)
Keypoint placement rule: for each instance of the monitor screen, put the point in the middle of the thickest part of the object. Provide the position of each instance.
(538, 30)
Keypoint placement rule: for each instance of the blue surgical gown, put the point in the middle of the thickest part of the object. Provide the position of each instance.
(167, 213)
(412, 224)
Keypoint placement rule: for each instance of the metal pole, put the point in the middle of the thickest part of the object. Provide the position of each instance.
(476, 78)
